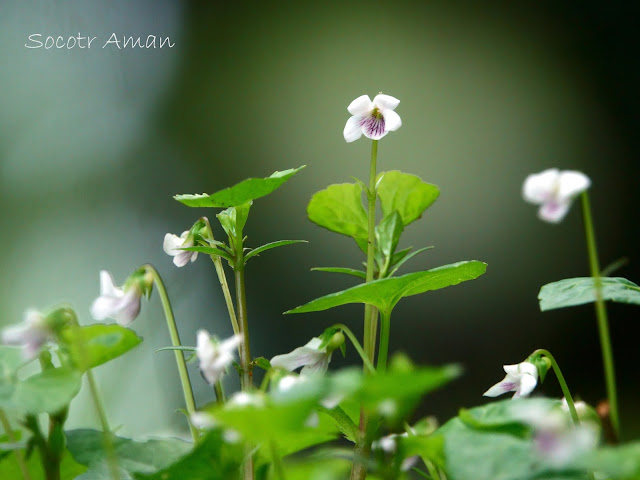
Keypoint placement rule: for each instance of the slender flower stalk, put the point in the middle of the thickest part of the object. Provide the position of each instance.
(356, 344)
(563, 384)
(175, 341)
(363, 445)
(385, 330)
(12, 438)
(601, 313)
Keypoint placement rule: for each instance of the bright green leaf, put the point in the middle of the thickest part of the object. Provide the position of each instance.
(242, 192)
(346, 271)
(49, 391)
(578, 291)
(339, 208)
(396, 264)
(11, 360)
(388, 233)
(209, 251)
(9, 469)
(405, 193)
(386, 293)
(87, 448)
(616, 463)
(268, 246)
(343, 422)
(233, 219)
(93, 345)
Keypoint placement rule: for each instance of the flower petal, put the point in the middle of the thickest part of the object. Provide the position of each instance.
(374, 127)
(392, 121)
(129, 307)
(353, 129)
(104, 307)
(182, 258)
(553, 211)
(108, 286)
(171, 243)
(500, 388)
(386, 101)
(571, 184)
(360, 105)
(512, 370)
(529, 369)
(540, 187)
(527, 384)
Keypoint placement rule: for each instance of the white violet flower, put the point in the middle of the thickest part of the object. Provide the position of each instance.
(521, 379)
(554, 191)
(31, 334)
(172, 245)
(310, 356)
(215, 357)
(373, 119)
(119, 303)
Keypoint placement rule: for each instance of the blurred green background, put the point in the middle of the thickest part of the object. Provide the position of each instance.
(94, 143)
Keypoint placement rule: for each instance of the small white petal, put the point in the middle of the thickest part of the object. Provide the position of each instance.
(529, 369)
(392, 121)
(527, 385)
(572, 183)
(353, 129)
(386, 101)
(540, 187)
(104, 307)
(181, 259)
(360, 105)
(129, 307)
(553, 212)
(499, 388)
(171, 243)
(202, 420)
(108, 286)
(512, 370)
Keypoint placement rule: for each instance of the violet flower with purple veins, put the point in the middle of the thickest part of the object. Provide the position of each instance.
(373, 119)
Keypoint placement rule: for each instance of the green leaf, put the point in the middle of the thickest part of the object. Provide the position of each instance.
(11, 360)
(406, 193)
(386, 293)
(46, 392)
(343, 422)
(93, 345)
(396, 264)
(209, 251)
(339, 208)
(268, 246)
(9, 469)
(346, 271)
(581, 290)
(87, 448)
(388, 233)
(616, 463)
(262, 363)
(233, 219)
(211, 459)
(242, 192)
(488, 450)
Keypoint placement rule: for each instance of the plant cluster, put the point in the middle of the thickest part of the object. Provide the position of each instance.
(319, 424)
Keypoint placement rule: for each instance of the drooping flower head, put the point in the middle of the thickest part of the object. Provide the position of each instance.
(372, 119)
(554, 191)
(521, 379)
(314, 357)
(215, 357)
(174, 244)
(121, 303)
(31, 334)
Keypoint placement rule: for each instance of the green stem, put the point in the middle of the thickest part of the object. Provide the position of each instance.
(222, 278)
(370, 324)
(562, 382)
(106, 430)
(365, 359)
(175, 341)
(385, 329)
(277, 461)
(219, 392)
(601, 314)
(18, 453)
(362, 449)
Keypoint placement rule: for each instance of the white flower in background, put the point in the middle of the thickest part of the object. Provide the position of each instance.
(203, 420)
(554, 191)
(119, 303)
(389, 445)
(521, 378)
(310, 356)
(556, 439)
(581, 407)
(31, 334)
(215, 357)
(373, 119)
(173, 243)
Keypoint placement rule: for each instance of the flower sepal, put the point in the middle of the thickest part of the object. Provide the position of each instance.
(542, 364)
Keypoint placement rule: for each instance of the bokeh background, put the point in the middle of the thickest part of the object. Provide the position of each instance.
(94, 143)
